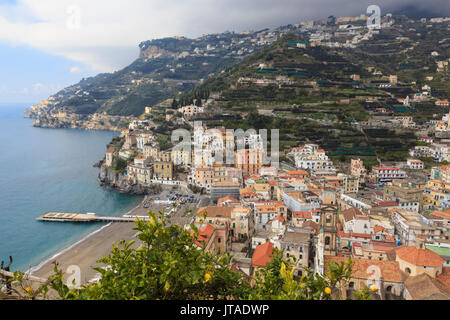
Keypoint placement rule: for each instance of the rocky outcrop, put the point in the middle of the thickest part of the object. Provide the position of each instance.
(116, 181)
(46, 122)
(152, 52)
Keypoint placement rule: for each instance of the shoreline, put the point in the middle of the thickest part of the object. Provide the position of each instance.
(64, 250)
(85, 252)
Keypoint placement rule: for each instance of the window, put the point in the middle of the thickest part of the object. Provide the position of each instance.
(408, 270)
(219, 240)
(327, 241)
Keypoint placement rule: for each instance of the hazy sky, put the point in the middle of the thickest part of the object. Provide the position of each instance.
(46, 45)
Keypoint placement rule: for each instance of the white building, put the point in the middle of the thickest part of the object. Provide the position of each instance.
(415, 164)
(311, 158)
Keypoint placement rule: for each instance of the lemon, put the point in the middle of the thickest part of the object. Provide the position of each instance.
(166, 286)
(327, 290)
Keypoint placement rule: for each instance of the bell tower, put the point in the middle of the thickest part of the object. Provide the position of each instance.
(328, 228)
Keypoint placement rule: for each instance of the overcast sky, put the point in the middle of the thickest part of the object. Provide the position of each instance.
(76, 38)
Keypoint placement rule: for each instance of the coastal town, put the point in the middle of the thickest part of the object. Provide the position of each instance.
(298, 148)
(394, 217)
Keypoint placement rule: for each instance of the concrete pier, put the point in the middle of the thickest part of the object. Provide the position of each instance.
(84, 217)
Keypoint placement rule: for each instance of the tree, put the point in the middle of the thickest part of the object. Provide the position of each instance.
(119, 164)
(170, 265)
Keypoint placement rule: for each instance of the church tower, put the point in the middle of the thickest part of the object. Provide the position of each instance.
(328, 228)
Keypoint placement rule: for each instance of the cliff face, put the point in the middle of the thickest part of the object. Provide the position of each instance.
(112, 180)
(152, 52)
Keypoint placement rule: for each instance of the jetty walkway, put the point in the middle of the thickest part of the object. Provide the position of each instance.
(86, 217)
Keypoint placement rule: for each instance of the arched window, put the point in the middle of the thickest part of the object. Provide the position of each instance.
(328, 218)
(408, 270)
(389, 289)
(351, 285)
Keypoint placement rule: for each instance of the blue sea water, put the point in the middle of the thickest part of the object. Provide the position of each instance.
(45, 170)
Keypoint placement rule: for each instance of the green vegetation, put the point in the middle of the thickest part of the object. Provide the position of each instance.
(119, 164)
(170, 266)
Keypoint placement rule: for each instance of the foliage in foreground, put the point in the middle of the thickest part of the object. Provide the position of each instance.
(169, 265)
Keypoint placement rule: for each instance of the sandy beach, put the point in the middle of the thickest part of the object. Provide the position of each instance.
(86, 252)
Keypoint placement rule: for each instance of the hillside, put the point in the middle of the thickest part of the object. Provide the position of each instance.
(164, 68)
(330, 94)
(322, 81)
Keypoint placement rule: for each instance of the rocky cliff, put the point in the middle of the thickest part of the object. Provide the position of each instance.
(113, 180)
(152, 52)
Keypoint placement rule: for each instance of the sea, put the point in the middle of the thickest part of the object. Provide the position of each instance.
(45, 170)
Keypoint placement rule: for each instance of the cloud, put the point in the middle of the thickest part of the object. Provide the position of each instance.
(75, 69)
(38, 87)
(34, 91)
(104, 34)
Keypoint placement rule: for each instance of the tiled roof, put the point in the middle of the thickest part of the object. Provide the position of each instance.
(302, 215)
(419, 257)
(424, 287)
(227, 199)
(280, 218)
(387, 204)
(390, 270)
(385, 168)
(297, 173)
(204, 234)
(350, 213)
(379, 229)
(267, 209)
(444, 277)
(215, 211)
(341, 233)
(442, 214)
(262, 254)
(381, 248)
(311, 224)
